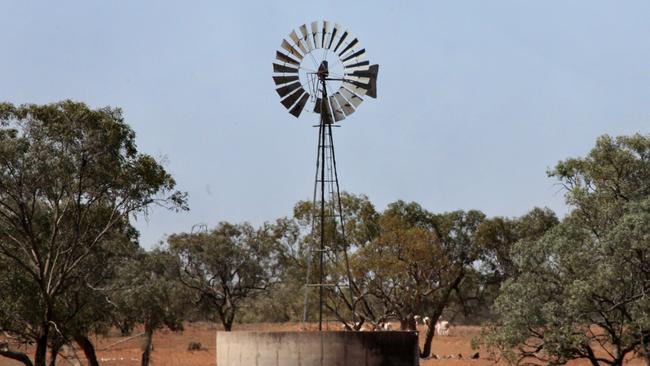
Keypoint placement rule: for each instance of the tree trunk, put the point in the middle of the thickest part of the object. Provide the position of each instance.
(645, 350)
(17, 356)
(148, 339)
(41, 348)
(428, 338)
(436, 315)
(54, 351)
(227, 319)
(227, 326)
(89, 350)
(407, 323)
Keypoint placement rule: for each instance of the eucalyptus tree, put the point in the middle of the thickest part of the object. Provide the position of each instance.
(148, 292)
(226, 266)
(417, 262)
(581, 289)
(70, 179)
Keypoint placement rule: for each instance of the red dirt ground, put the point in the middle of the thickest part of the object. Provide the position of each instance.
(170, 348)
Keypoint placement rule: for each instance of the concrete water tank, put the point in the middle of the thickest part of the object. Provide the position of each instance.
(395, 348)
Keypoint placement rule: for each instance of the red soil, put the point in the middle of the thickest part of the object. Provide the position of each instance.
(170, 348)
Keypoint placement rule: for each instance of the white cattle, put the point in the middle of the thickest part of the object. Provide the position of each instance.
(418, 319)
(442, 328)
(427, 320)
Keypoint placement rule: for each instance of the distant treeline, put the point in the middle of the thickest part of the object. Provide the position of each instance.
(71, 265)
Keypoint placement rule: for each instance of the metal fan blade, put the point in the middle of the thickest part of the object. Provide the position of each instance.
(326, 30)
(282, 68)
(294, 37)
(303, 30)
(370, 88)
(335, 30)
(336, 109)
(297, 109)
(287, 46)
(326, 112)
(354, 55)
(314, 34)
(344, 104)
(284, 90)
(317, 106)
(306, 37)
(345, 34)
(359, 79)
(363, 64)
(284, 58)
(279, 80)
(291, 99)
(354, 88)
(350, 45)
(351, 97)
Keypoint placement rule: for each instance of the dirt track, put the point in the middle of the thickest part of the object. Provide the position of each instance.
(170, 349)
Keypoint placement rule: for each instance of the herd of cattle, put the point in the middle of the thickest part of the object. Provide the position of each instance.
(441, 327)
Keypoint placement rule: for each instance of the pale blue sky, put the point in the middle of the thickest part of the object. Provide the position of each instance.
(476, 99)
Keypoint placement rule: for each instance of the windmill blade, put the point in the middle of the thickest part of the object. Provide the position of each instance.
(354, 89)
(326, 30)
(336, 109)
(291, 99)
(354, 55)
(370, 88)
(287, 46)
(359, 79)
(306, 37)
(284, 90)
(343, 36)
(335, 30)
(317, 106)
(344, 104)
(350, 70)
(298, 42)
(283, 68)
(350, 65)
(354, 99)
(314, 34)
(297, 109)
(279, 80)
(303, 30)
(349, 46)
(326, 111)
(286, 59)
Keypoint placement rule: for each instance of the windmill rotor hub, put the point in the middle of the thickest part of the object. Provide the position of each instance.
(323, 71)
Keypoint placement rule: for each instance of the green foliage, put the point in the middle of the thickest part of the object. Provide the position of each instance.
(227, 265)
(147, 292)
(70, 178)
(581, 288)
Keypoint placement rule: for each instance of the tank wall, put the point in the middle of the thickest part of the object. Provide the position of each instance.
(317, 348)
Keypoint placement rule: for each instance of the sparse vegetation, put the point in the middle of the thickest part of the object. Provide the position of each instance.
(71, 266)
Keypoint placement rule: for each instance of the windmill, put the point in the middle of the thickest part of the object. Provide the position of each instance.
(323, 69)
